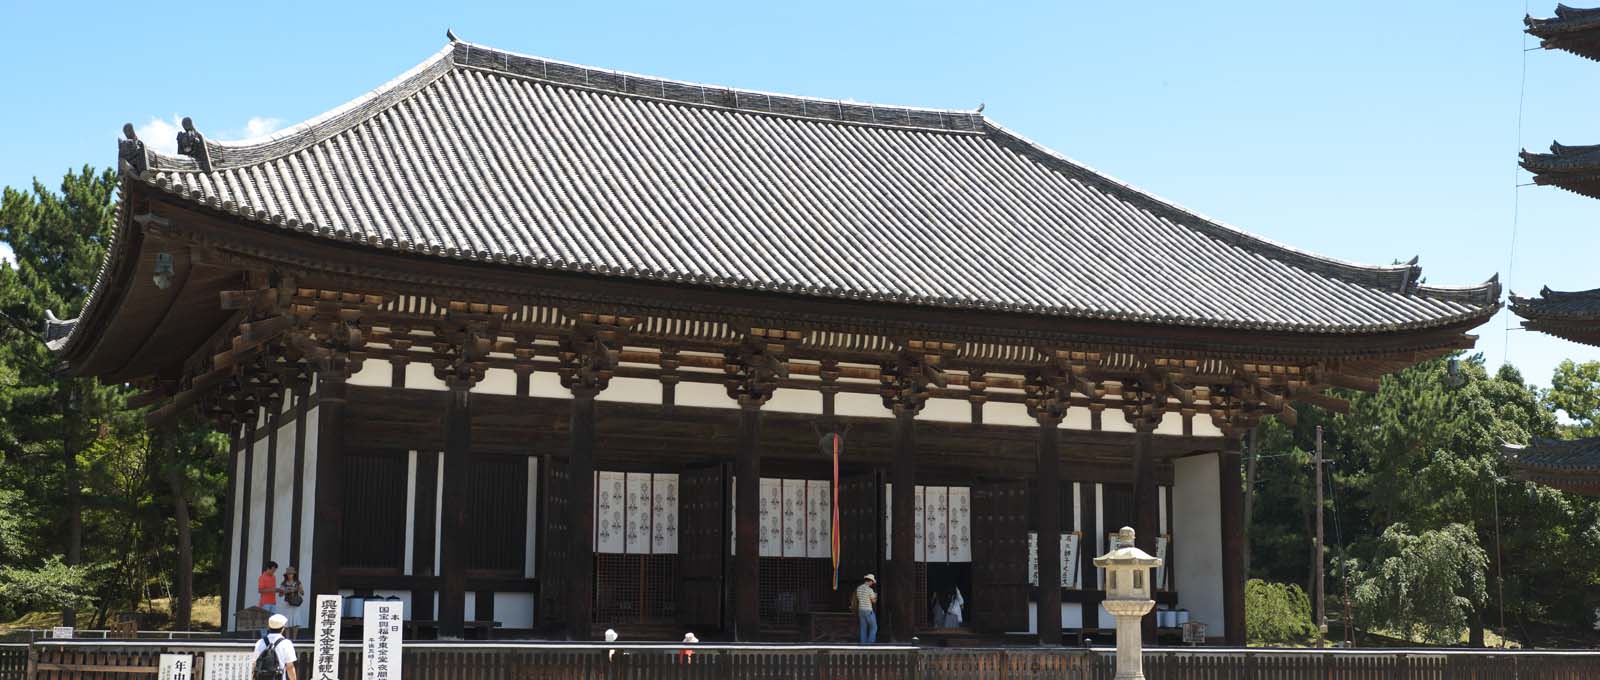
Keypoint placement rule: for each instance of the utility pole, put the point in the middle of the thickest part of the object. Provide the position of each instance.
(1318, 613)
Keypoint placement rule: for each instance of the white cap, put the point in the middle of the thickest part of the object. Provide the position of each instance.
(690, 638)
(277, 622)
(611, 635)
(871, 578)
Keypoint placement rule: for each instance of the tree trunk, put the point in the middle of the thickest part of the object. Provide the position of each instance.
(69, 458)
(1475, 629)
(183, 601)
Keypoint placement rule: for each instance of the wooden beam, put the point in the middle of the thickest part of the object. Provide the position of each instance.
(746, 525)
(327, 529)
(901, 587)
(453, 511)
(1047, 496)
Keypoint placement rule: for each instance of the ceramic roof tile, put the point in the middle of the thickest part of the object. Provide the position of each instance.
(479, 154)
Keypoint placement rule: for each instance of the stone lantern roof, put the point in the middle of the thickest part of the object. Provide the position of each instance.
(1128, 555)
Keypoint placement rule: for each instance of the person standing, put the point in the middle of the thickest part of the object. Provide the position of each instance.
(279, 663)
(865, 599)
(294, 595)
(267, 587)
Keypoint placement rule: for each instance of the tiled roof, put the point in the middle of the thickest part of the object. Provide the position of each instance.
(1574, 168)
(1573, 315)
(1573, 465)
(1575, 30)
(484, 155)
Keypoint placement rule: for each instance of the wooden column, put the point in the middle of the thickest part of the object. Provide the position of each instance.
(746, 525)
(328, 527)
(1146, 503)
(1048, 511)
(580, 503)
(453, 509)
(900, 593)
(1231, 496)
(246, 592)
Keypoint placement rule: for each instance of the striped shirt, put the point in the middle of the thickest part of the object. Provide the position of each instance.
(865, 597)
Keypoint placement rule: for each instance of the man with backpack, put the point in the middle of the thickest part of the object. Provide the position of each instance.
(274, 654)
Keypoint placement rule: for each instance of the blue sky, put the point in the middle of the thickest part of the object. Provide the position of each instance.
(1368, 131)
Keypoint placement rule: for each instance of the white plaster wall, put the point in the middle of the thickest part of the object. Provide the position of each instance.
(283, 496)
(258, 521)
(375, 374)
(233, 554)
(308, 502)
(1071, 616)
(514, 610)
(497, 381)
(1197, 538)
(419, 376)
(631, 391)
(411, 512)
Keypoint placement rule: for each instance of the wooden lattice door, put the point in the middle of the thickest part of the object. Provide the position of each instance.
(553, 543)
(860, 535)
(702, 545)
(1000, 556)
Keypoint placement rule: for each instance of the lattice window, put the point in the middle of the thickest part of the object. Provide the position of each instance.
(791, 586)
(635, 588)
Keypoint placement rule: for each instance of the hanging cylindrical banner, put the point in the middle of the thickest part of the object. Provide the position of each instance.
(832, 444)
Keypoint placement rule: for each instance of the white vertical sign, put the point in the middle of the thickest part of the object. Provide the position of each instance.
(1069, 560)
(380, 627)
(325, 649)
(228, 665)
(176, 667)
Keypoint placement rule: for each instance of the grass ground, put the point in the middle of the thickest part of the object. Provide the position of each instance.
(205, 615)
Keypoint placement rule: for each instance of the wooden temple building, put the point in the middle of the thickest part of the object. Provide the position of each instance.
(1570, 465)
(554, 348)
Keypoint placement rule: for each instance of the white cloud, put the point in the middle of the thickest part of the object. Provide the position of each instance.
(161, 134)
(259, 126)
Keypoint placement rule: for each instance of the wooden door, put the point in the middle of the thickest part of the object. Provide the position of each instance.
(702, 545)
(553, 543)
(1000, 556)
(861, 532)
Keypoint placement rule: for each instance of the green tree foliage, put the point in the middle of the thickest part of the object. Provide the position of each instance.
(52, 585)
(1425, 585)
(1424, 451)
(68, 441)
(1575, 391)
(1277, 613)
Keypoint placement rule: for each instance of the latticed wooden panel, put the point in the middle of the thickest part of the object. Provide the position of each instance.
(1000, 556)
(859, 538)
(792, 586)
(553, 545)
(635, 588)
(701, 543)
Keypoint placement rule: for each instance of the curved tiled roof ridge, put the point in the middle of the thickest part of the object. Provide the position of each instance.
(529, 125)
(1574, 29)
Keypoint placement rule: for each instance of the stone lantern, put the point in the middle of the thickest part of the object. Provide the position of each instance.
(1128, 598)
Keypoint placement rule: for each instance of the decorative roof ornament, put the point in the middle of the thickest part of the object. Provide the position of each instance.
(193, 144)
(451, 35)
(1574, 29)
(131, 151)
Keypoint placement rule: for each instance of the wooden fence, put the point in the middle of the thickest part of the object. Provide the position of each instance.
(137, 660)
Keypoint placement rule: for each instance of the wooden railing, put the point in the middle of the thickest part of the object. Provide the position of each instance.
(137, 660)
(13, 662)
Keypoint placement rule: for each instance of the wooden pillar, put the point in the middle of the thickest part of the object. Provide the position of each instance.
(1048, 512)
(902, 583)
(747, 546)
(580, 505)
(328, 527)
(453, 509)
(1231, 496)
(1146, 503)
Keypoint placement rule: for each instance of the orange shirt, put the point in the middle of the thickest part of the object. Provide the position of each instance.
(268, 587)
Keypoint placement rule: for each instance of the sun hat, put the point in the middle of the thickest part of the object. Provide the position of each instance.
(871, 578)
(277, 622)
